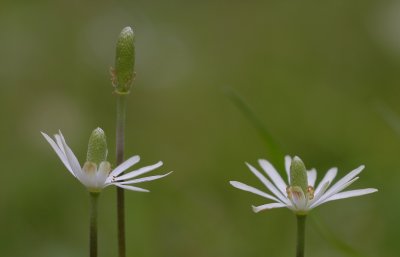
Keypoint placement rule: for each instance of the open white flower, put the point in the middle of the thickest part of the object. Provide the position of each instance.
(295, 197)
(96, 177)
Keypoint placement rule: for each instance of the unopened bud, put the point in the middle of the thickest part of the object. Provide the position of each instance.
(123, 73)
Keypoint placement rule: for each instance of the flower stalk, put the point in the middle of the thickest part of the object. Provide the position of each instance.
(301, 234)
(93, 224)
(120, 137)
(122, 77)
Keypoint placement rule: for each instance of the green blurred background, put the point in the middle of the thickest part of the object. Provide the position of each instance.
(315, 72)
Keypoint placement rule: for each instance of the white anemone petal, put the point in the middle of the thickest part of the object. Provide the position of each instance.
(138, 172)
(253, 190)
(273, 175)
(268, 207)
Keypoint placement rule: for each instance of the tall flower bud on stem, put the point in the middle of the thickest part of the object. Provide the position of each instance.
(122, 79)
(123, 74)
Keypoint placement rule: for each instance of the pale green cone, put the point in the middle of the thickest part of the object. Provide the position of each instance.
(123, 73)
(97, 147)
(298, 174)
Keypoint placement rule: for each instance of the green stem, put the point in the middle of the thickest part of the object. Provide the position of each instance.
(120, 135)
(93, 224)
(301, 234)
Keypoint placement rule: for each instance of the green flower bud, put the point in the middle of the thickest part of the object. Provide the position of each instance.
(97, 147)
(123, 73)
(298, 174)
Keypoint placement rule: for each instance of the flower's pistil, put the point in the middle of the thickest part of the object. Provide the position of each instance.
(97, 147)
(298, 174)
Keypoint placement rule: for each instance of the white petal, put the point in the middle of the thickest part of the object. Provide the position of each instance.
(329, 177)
(348, 177)
(343, 181)
(139, 180)
(311, 177)
(320, 193)
(73, 161)
(253, 190)
(288, 162)
(59, 142)
(131, 187)
(268, 184)
(138, 172)
(273, 175)
(331, 192)
(268, 206)
(351, 193)
(59, 152)
(102, 174)
(123, 166)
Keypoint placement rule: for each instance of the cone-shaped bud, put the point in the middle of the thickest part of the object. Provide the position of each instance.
(97, 147)
(123, 73)
(298, 174)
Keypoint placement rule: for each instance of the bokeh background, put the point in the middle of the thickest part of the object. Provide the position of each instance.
(322, 76)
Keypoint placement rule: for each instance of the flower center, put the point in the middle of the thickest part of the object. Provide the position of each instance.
(295, 193)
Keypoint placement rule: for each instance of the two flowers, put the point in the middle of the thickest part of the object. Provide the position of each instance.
(299, 195)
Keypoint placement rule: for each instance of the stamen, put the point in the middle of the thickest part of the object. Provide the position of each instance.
(310, 192)
(289, 192)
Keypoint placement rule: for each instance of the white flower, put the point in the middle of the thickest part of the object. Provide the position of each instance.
(293, 197)
(96, 178)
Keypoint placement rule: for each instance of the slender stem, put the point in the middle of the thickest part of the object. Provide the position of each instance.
(93, 224)
(121, 110)
(301, 234)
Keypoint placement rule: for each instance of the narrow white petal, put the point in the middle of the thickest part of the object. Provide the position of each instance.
(102, 174)
(329, 177)
(268, 184)
(339, 186)
(131, 187)
(268, 206)
(331, 192)
(351, 193)
(253, 190)
(288, 162)
(59, 152)
(73, 161)
(347, 178)
(138, 172)
(59, 142)
(139, 180)
(123, 166)
(320, 193)
(273, 175)
(311, 177)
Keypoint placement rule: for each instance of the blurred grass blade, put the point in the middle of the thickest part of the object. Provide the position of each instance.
(388, 115)
(276, 157)
(329, 236)
(275, 151)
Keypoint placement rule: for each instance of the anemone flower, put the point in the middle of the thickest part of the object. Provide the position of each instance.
(304, 196)
(96, 176)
